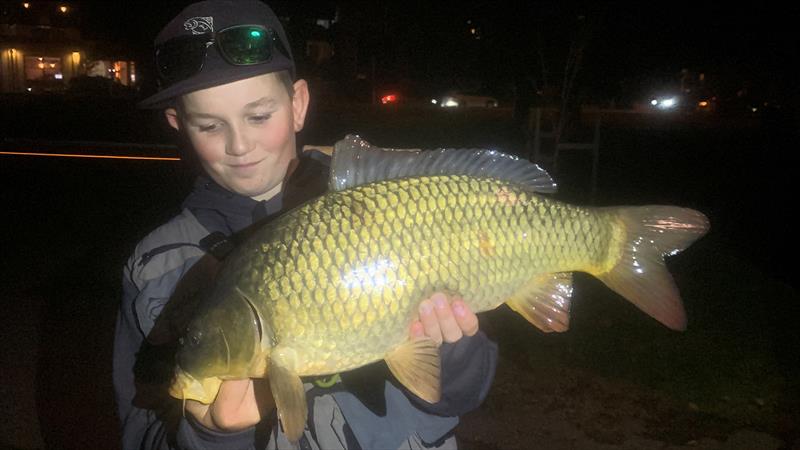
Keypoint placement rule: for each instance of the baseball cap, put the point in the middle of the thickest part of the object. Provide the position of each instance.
(203, 20)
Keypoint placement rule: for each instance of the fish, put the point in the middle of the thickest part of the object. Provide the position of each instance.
(333, 284)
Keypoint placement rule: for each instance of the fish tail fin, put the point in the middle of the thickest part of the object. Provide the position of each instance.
(638, 272)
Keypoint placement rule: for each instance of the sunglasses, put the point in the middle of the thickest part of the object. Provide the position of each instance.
(241, 45)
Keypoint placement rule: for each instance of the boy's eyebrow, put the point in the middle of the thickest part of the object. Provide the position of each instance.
(263, 101)
(199, 115)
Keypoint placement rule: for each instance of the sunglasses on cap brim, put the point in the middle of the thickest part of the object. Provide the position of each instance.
(240, 45)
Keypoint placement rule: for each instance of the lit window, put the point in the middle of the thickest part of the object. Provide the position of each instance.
(43, 68)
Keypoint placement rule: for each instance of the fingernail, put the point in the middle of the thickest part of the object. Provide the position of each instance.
(440, 301)
(458, 309)
(425, 307)
(417, 330)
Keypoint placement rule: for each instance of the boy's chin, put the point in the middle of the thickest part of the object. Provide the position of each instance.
(259, 192)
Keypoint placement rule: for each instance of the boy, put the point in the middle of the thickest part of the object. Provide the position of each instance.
(226, 85)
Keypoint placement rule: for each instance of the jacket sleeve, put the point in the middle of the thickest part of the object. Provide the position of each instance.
(468, 368)
(193, 435)
(142, 427)
(149, 417)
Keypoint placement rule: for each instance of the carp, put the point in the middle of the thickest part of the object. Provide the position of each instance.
(333, 284)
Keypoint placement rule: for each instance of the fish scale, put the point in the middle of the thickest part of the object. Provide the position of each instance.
(371, 294)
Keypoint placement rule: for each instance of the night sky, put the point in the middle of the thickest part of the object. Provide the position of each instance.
(623, 44)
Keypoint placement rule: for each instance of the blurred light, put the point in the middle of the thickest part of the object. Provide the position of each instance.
(668, 103)
(63, 9)
(654, 102)
(391, 98)
(703, 104)
(449, 102)
(754, 109)
(67, 155)
(30, 89)
(255, 33)
(58, 76)
(41, 65)
(26, 5)
(433, 100)
(52, 66)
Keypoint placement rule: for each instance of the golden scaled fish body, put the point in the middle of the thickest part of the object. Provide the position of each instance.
(334, 284)
(349, 269)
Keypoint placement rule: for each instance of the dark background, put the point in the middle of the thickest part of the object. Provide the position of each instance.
(71, 223)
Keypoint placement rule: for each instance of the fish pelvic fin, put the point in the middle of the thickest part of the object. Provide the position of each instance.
(636, 268)
(288, 392)
(544, 301)
(416, 365)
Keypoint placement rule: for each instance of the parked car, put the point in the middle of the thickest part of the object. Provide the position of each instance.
(457, 99)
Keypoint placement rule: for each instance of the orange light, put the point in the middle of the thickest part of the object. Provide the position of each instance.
(68, 155)
(26, 5)
(63, 9)
(703, 104)
(391, 98)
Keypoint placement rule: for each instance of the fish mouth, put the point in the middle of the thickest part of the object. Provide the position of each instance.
(186, 387)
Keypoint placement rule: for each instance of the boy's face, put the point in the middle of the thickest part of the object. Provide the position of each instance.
(244, 132)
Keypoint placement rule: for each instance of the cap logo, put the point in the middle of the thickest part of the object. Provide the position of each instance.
(199, 25)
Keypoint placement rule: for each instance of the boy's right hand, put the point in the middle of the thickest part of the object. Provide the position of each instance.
(240, 404)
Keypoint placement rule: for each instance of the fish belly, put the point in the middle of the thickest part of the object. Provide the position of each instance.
(340, 278)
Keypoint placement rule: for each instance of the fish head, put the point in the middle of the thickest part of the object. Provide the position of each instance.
(221, 342)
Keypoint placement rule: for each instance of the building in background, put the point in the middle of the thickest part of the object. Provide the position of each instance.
(41, 50)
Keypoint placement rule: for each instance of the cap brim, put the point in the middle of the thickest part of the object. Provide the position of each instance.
(214, 77)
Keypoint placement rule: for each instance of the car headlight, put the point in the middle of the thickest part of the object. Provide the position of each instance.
(665, 102)
(449, 102)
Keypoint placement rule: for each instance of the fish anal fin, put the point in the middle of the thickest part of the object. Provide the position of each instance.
(288, 392)
(416, 365)
(544, 301)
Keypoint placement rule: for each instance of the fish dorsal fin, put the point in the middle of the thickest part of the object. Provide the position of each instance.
(356, 162)
(544, 301)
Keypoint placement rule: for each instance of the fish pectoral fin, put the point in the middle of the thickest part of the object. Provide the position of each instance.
(544, 301)
(416, 365)
(288, 392)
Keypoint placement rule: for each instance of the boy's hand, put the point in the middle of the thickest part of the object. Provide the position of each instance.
(443, 321)
(239, 404)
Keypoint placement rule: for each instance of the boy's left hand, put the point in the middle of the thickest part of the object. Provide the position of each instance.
(444, 321)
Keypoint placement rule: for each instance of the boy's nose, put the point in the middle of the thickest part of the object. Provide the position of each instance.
(238, 143)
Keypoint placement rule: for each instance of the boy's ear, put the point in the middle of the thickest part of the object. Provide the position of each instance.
(172, 118)
(300, 104)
